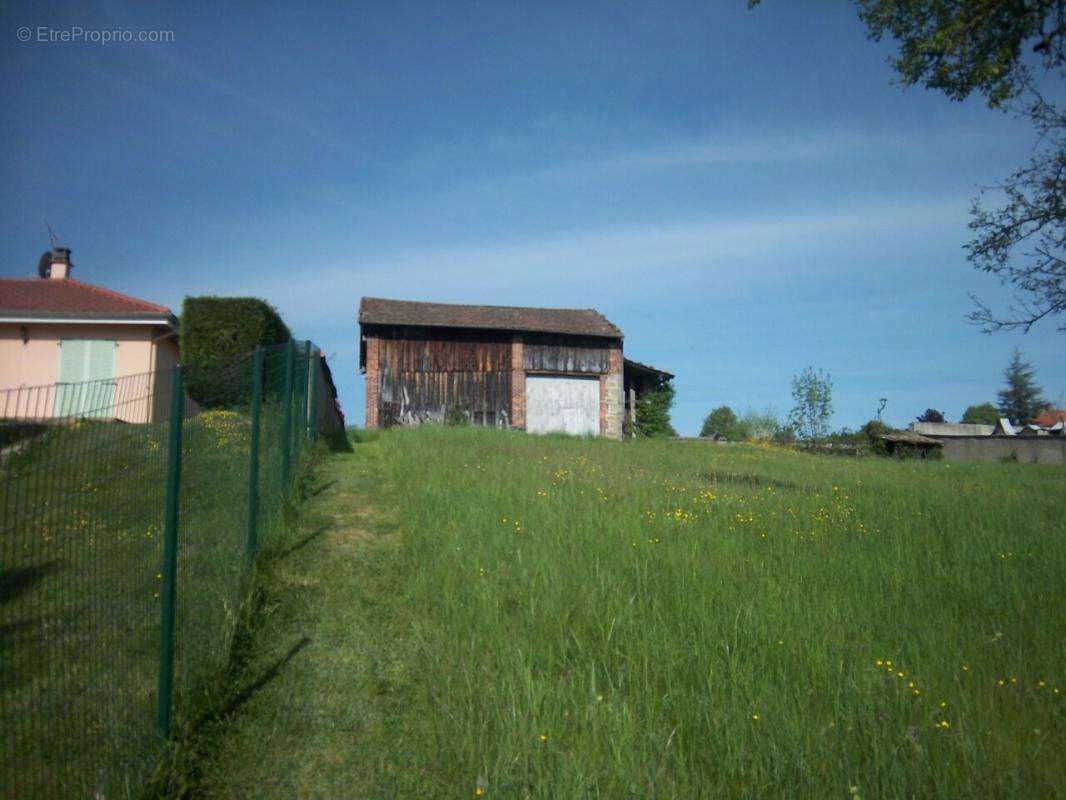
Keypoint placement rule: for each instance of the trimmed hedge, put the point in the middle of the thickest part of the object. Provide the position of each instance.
(215, 330)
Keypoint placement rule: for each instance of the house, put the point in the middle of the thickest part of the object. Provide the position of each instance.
(58, 334)
(536, 369)
(1051, 419)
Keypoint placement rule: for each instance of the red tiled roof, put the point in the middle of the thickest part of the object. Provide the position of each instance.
(1050, 417)
(573, 321)
(68, 297)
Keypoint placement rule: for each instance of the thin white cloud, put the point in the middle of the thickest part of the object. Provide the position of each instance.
(597, 264)
(791, 146)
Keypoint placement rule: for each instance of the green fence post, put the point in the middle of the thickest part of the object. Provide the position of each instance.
(286, 421)
(253, 452)
(312, 417)
(169, 570)
(304, 404)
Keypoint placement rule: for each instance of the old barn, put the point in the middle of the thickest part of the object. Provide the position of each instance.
(537, 369)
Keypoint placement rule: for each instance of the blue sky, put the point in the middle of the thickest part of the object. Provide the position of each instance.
(743, 192)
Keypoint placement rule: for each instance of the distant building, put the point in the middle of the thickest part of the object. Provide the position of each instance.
(1000, 442)
(1050, 418)
(64, 344)
(535, 369)
(1050, 423)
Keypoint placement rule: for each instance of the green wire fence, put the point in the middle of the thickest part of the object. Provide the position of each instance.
(129, 513)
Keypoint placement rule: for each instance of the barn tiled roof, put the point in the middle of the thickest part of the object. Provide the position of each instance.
(27, 297)
(573, 321)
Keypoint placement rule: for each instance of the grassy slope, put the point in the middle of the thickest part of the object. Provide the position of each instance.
(81, 519)
(307, 689)
(558, 618)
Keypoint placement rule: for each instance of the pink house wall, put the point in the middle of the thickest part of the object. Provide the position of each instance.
(35, 363)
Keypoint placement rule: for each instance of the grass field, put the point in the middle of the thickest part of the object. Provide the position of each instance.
(475, 613)
(81, 518)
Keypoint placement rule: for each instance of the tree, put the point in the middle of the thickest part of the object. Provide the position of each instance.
(1031, 221)
(1021, 400)
(721, 422)
(812, 393)
(932, 415)
(983, 414)
(964, 46)
(992, 47)
(653, 412)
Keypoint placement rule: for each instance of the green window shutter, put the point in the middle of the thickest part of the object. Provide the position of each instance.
(72, 354)
(82, 361)
(100, 360)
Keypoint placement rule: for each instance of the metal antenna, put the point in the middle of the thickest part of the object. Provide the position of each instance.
(52, 234)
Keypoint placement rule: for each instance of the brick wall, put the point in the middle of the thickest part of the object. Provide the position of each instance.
(612, 405)
(518, 384)
(373, 382)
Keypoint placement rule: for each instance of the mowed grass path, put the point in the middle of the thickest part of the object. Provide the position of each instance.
(500, 615)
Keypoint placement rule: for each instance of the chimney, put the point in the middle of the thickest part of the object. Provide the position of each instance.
(61, 265)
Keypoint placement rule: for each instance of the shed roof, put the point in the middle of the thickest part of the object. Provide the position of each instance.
(572, 321)
(68, 298)
(910, 437)
(647, 369)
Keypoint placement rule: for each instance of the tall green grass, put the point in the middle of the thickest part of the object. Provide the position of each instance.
(589, 619)
(81, 526)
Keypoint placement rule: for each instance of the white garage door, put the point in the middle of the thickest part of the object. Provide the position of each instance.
(569, 405)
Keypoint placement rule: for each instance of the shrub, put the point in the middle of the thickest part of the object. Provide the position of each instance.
(785, 436)
(217, 329)
(872, 432)
(760, 426)
(653, 412)
(456, 415)
(722, 422)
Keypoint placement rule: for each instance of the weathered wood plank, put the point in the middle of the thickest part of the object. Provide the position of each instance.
(566, 355)
(413, 398)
